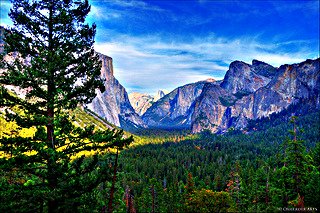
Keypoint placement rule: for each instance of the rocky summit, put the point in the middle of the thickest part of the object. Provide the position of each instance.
(113, 104)
(247, 92)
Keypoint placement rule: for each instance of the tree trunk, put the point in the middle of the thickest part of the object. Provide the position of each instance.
(114, 178)
(52, 176)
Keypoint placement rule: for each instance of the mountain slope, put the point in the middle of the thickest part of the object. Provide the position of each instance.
(288, 85)
(174, 110)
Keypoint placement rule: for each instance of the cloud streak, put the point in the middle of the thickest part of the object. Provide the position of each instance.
(146, 64)
(163, 45)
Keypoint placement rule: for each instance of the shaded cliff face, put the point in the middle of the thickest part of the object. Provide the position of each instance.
(212, 109)
(175, 109)
(113, 104)
(287, 85)
(141, 102)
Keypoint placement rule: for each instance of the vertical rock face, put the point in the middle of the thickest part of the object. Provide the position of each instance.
(287, 85)
(212, 109)
(113, 104)
(291, 84)
(242, 78)
(248, 92)
(175, 109)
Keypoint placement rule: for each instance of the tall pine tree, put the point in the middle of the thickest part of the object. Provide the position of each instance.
(53, 61)
(295, 169)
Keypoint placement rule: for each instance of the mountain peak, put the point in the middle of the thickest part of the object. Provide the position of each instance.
(210, 80)
(238, 65)
(159, 95)
(256, 62)
(262, 68)
(242, 78)
(107, 66)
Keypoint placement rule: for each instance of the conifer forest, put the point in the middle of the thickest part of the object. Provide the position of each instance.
(57, 155)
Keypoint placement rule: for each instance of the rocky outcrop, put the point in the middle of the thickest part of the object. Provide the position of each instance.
(212, 109)
(160, 94)
(291, 84)
(141, 102)
(242, 78)
(262, 68)
(287, 85)
(113, 104)
(175, 109)
(247, 92)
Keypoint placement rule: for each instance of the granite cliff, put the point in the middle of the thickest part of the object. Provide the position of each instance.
(259, 92)
(175, 109)
(247, 92)
(113, 104)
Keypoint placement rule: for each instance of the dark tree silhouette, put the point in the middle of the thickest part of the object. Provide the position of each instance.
(53, 61)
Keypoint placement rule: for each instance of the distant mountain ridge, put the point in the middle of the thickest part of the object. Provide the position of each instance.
(175, 109)
(247, 92)
(141, 102)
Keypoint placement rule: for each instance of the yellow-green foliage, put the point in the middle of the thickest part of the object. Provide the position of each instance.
(206, 200)
(8, 129)
(160, 139)
(83, 119)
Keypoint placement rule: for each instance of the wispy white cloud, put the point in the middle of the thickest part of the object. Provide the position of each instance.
(100, 13)
(146, 64)
(301, 6)
(134, 4)
(4, 10)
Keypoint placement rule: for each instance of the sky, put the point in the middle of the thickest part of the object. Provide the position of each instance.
(164, 44)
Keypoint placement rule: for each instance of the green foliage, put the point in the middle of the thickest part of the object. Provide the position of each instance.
(295, 168)
(54, 63)
(205, 200)
(249, 165)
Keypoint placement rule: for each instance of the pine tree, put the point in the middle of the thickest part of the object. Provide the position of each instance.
(294, 171)
(54, 62)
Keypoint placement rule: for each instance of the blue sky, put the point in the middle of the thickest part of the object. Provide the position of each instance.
(166, 44)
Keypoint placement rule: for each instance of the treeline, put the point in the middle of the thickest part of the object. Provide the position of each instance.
(260, 171)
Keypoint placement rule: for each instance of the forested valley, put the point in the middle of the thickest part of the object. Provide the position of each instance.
(256, 171)
(58, 156)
